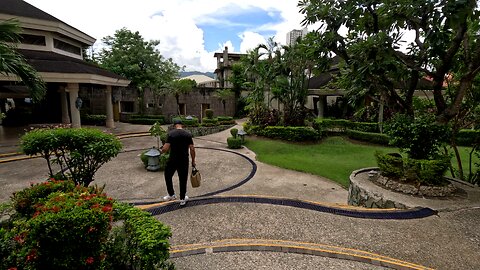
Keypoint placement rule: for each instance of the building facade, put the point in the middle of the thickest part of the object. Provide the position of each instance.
(55, 50)
(295, 34)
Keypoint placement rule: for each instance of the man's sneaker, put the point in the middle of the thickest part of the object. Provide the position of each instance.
(169, 198)
(184, 201)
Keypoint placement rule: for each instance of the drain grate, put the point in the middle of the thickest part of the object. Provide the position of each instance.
(370, 214)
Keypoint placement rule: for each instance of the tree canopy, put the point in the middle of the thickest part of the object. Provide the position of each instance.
(128, 54)
(371, 37)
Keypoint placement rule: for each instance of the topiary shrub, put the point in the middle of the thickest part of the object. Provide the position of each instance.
(234, 143)
(209, 113)
(75, 227)
(234, 132)
(80, 152)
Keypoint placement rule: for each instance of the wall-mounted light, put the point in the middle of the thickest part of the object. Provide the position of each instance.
(78, 103)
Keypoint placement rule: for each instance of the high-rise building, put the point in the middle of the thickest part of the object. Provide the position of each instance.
(293, 35)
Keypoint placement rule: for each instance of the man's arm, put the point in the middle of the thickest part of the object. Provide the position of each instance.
(165, 148)
(192, 153)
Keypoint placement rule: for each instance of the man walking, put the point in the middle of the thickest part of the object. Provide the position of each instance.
(179, 143)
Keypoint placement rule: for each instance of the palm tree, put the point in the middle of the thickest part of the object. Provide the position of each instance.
(13, 63)
(181, 87)
(223, 95)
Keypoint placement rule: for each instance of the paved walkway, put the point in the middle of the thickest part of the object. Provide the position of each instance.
(238, 235)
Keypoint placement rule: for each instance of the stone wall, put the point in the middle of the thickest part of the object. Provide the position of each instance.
(359, 193)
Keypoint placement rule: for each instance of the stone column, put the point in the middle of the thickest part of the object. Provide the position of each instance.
(322, 102)
(72, 89)
(64, 103)
(109, 107)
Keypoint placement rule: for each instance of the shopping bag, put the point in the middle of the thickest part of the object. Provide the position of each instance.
(195, 177)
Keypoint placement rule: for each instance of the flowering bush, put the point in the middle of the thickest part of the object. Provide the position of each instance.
(70, 227)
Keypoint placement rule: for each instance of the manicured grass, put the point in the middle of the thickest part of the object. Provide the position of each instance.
(334, 158)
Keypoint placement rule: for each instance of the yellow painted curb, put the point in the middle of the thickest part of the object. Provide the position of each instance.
(309, 248)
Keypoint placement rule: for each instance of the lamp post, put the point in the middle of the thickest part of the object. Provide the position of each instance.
(153, 159)
(242, 134)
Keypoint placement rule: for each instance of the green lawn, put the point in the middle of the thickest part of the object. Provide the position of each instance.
(334, 158)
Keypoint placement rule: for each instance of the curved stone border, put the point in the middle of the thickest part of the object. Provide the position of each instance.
(235, 245)
(356, 212)
(360, 196)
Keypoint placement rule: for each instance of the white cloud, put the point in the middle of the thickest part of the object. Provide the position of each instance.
(251, 40)
(172, 22)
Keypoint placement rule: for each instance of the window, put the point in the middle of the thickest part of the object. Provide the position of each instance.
(66, 47)
(32, 40)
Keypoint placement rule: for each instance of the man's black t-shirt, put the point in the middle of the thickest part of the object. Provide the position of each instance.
(179, 140)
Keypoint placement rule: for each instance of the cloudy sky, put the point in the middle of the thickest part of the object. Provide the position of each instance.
(190, 31)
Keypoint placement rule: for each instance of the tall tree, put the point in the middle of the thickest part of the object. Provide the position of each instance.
(129, 55)
(13, 63)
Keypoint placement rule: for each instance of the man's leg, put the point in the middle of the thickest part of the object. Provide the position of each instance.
(169, 171)
(183, 176)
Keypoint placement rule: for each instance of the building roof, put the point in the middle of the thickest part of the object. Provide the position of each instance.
(50, 62)
(20, 8)
(23, 9)
(199, 78)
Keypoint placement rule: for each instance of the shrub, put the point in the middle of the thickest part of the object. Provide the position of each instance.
(391, 165)
(468, 137)
(234, 132)
(419, 137)
(209, 113)
(24, 201)
(418, 171)
(225, 120)
(207, 122)
(157, 131)
(159, 118)
(429, 172)
(71, 228)
(370, 137)
(163, 159)
(145, 121)
(141, 243)
(295, 134)
(234, 143)
(79, 152)
(193, 122)
(94, 119)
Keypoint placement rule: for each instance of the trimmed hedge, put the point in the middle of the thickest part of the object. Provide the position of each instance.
(188, 122)
(419, 171)
(468, 137)
(94, 119)
(146, 119)
(234, 143)
(342, 125)
(296, 134)
(376, 138)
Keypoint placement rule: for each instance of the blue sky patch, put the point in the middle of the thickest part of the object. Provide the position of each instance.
(229, 23)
